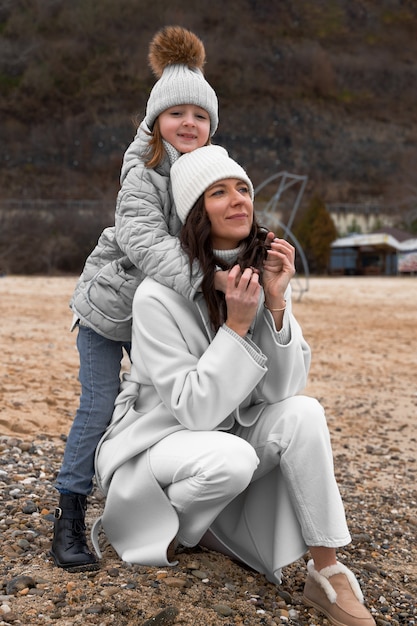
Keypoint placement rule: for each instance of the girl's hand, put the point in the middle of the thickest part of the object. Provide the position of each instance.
(279, 268)
(242, 297)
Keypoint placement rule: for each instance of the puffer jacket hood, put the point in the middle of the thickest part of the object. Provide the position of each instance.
(142, 242)
(136, 153)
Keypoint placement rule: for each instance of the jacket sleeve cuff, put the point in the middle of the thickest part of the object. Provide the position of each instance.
(282, 336)
(251, 347)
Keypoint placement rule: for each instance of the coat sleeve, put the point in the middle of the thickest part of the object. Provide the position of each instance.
(200, 383)
(289, 363)
(143, 209)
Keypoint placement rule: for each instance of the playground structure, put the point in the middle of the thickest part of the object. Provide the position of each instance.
(269, 218)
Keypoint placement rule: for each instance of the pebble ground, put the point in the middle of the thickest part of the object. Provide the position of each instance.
(205, 588)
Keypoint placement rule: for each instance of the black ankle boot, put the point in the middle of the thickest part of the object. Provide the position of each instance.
(69, 546)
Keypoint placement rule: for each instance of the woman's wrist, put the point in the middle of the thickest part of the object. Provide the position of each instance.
(275, 305)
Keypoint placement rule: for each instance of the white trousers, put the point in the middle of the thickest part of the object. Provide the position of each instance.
(202, 471)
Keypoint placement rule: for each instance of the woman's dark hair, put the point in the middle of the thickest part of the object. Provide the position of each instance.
(196, 241)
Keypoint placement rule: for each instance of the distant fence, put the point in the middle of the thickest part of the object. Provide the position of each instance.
(79, 206)
(361, 217)
(39, 236)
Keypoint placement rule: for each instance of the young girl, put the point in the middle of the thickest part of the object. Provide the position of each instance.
(210, 429)
(181, 115)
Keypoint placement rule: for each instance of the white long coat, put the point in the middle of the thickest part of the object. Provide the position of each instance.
(185, 377)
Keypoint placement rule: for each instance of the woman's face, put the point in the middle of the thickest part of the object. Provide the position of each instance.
(229, 208)
(186, 127)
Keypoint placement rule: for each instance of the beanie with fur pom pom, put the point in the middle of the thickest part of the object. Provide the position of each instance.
(176, 57)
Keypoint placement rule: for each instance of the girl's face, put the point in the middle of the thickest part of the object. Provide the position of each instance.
(186, 127)
(229, 208)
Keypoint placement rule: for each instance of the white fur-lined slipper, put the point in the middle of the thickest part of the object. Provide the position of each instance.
(335, 592)
(322, 578)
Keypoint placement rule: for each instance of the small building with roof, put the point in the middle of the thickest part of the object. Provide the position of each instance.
(387, 252)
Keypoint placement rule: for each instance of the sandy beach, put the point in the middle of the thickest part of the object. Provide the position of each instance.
(363, 334)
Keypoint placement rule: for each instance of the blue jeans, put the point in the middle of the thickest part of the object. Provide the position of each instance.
(99, 376)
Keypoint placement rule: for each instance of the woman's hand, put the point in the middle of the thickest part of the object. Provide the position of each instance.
(242, 297)
(279, 268)
(220, 280)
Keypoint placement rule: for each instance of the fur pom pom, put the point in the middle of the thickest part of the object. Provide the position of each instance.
(175, 45)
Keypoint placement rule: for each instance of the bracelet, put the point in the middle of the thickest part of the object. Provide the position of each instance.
(274, 310)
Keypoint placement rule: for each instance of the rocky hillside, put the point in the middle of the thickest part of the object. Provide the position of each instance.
(324, 88)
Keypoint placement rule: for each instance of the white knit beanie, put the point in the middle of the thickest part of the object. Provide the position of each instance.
(195, 171)
(177, 57)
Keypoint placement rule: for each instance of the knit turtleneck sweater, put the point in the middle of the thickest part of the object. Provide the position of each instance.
(173, 154)
(228, 256)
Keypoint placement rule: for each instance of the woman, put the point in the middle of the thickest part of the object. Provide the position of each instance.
(209, 441)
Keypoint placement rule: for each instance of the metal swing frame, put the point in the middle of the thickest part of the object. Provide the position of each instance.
(268, 215)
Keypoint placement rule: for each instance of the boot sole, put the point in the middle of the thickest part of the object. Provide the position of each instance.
(73, 569)
(316, 606)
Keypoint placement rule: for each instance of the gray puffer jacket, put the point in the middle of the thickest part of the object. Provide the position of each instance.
(143, 242)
